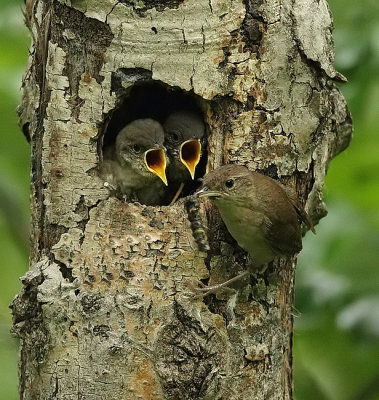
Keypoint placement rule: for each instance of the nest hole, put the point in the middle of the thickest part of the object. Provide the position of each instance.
(157, 101)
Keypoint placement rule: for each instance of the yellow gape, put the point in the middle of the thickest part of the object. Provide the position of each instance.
(155, 160)
(190, 152)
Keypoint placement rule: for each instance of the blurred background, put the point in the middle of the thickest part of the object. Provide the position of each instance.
(336, 339)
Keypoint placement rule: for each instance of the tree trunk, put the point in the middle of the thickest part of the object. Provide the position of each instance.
(106, 310)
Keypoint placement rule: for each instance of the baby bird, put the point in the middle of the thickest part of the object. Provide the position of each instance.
(184, 131)
(135, 165)
(257, 212)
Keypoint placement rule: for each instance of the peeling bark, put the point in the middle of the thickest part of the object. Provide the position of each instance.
(105, 311)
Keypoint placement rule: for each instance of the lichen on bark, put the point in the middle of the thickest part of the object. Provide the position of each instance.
(106, 310)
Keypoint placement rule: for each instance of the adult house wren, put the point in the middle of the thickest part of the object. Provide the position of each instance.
(257, 212)
(184, 131)
(135, 165)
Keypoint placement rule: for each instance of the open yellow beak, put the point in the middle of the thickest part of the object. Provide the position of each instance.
(190, 153)
(155, 161)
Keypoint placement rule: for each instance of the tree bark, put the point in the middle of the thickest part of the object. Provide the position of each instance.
(105, 311)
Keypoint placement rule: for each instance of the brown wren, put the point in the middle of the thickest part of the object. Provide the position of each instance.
(258, 213)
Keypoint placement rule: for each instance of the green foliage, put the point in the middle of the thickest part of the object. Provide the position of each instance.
(336, 343)
(14, 185)
(353, 174)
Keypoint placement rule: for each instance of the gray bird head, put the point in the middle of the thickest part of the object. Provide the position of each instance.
(184, 131)
(139, 145)
(228, 183)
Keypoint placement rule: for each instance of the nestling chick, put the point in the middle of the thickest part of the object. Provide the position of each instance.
(136, 164)
(184, 131)
(258, 213)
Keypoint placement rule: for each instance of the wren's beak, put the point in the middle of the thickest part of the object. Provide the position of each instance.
(205, 192)
(155, 161)
(190, 153)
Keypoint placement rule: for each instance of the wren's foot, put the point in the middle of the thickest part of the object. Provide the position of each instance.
(205, 290)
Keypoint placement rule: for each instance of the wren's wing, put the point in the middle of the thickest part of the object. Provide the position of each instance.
(283, 237)
(302, 214)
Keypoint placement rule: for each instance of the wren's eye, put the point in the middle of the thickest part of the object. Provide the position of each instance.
(136, 148)
(229, 183)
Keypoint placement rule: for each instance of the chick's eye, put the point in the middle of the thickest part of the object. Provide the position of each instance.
(136, 148)
(174, 136)
(229, 183)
